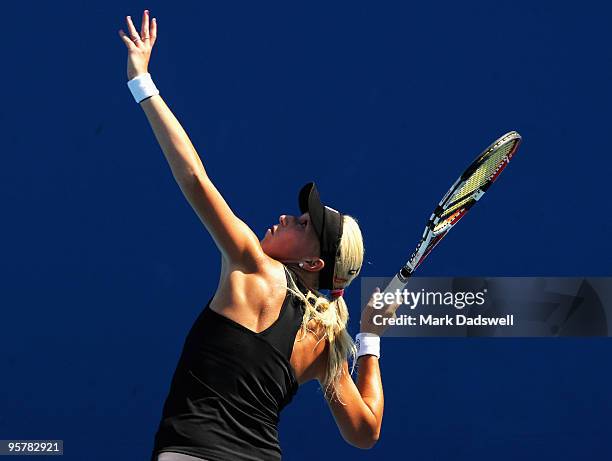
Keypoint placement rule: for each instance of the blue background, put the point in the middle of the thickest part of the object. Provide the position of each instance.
(105, 265)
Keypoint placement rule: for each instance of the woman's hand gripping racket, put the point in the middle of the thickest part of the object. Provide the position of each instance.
(462, 196)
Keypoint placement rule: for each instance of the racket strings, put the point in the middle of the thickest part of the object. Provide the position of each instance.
(491, 161)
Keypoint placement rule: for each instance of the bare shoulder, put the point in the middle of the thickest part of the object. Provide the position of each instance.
(251, 296)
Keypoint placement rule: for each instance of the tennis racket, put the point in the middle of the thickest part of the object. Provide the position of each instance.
(463, 195)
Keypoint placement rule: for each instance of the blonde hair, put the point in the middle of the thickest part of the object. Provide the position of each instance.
(331, 317)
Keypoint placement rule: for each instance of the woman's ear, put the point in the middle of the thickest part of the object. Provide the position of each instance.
(313, 265)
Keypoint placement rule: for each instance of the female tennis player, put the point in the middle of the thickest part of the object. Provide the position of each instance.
(268, 328)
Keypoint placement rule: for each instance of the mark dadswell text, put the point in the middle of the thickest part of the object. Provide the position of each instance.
(447, 320)
(460, 319)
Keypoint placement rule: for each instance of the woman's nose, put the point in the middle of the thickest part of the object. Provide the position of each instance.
(282, 220)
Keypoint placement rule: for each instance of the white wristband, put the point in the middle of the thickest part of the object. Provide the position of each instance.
(367, 344)
(142, 87)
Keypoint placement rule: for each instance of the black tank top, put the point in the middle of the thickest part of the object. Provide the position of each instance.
(229, 387)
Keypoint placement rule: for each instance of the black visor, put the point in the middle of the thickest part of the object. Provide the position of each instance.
(327, 223)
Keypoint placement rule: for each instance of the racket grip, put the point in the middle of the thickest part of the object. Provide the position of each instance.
(394, 284)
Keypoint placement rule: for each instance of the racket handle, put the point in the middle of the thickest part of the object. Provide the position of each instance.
(396, 284)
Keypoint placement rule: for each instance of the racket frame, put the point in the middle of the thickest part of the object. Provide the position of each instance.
(432, 236)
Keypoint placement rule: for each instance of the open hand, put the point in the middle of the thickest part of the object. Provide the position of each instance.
(139, 45)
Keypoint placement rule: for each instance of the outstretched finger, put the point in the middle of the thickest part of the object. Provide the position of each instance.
(133, 32)
(373, 297)
(129, 43)
(144, 29)
(153, 31)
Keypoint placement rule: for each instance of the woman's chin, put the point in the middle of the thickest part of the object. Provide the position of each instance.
(271, 251)
(266, 247)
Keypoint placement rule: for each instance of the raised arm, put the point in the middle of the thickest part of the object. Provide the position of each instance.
(236, 241)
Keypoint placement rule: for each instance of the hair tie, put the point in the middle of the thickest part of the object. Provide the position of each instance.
(337, 293)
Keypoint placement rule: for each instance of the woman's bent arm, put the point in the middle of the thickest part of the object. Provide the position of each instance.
(370, 387)
(358, 409)
(361, 418)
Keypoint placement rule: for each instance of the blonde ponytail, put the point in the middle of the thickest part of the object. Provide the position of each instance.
(331, 316)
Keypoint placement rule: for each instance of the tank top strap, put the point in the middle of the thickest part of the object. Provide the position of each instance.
(281, 334)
